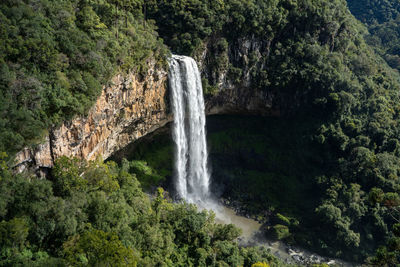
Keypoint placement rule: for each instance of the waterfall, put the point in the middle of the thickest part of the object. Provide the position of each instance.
(189, 134)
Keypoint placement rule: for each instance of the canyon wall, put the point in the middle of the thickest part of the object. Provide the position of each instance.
(131, 107)
(236, 93)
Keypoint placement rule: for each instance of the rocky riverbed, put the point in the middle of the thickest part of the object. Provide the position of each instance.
(253, 234)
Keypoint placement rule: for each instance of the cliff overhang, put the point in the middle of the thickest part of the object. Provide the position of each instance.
(132, 107)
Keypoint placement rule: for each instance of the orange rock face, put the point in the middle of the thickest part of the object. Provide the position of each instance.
(131, 107)
(126, 110)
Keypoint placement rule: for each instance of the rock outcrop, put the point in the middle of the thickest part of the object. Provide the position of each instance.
(231, 70)
(126, 110)
(132, 107)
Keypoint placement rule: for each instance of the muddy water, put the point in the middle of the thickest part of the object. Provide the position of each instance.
(249, 227)
(252, 235)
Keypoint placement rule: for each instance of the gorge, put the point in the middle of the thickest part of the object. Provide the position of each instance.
(302, 107)
(132, 106)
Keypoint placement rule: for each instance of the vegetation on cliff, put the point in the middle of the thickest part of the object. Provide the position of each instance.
(383, 21)
(311, 56)
(55, 56)
(374, 11)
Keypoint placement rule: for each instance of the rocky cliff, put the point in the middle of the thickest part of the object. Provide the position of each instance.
(230, 70)
(132, 107)
(129, 108)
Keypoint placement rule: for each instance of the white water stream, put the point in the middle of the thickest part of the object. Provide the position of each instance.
(192, 177)
(189, 134)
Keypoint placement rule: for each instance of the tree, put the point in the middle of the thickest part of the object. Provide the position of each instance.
(13, 233)
(260, 264)
(98, 248)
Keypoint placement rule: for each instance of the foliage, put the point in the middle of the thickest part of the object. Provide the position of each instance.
(268, 156)
(145, 174)
(150, 161)
(374, 11)
(312, 57)
(383, 21)
(280, 231)
(389, 254)
(76, 223)
(337, 157)
(385, 38)
(97, 248)
(184, 24)
(55, 56)
(260, 264)
(72, 175)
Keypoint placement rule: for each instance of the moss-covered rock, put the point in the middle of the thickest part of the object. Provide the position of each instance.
(280, 231)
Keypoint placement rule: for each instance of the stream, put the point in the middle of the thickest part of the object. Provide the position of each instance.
(252, 235)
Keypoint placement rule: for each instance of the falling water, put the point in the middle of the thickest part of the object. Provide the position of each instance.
(192, 177)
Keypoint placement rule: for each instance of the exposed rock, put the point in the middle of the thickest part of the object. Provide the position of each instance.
(126, 110)
(233, 96)
(132, 107)
(42, 154)
(39, 156)
(243, 101)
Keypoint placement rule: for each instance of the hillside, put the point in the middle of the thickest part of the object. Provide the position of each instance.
(55, 56)
(311, 56)
(374, 11)
(383, 21)
(332, 127)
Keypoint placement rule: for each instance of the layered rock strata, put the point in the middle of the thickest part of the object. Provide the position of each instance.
(126, 110)
(132, 107)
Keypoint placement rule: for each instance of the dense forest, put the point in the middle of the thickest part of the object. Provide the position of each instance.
(95, 214)
(383, 21)
(374, 11)
(338, 90)
(56, 55)
(328, 78)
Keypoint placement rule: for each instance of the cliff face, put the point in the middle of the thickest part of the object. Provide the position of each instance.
(131, 107)
(126, 110)
(232, 69)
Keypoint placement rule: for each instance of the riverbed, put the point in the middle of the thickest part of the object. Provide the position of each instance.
(252, 235)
